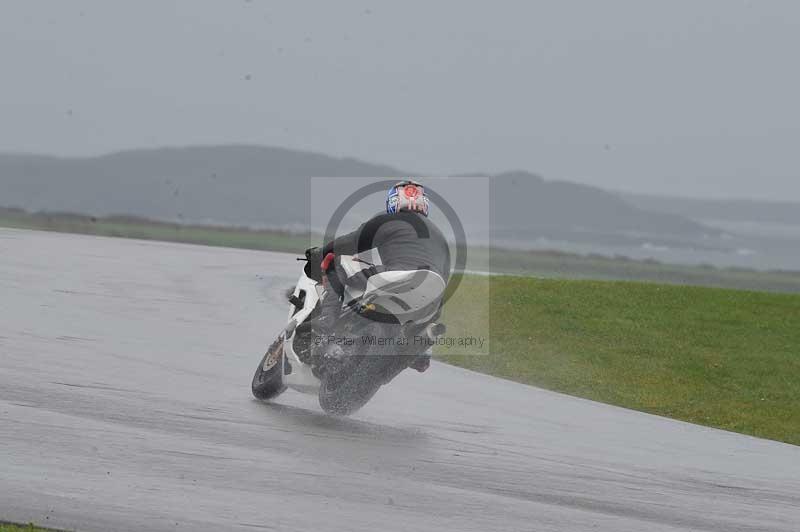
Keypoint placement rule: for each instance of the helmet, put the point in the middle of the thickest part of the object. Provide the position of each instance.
(407, 195)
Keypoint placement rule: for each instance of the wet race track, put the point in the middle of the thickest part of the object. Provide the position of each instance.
(125, 404)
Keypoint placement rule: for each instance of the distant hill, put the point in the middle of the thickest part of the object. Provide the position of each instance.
(268, 187)
(567, 210)
(779, 212)
(242, 185)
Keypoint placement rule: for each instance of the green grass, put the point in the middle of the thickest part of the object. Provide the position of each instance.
(550, 264)
(5, 527)
(724, 358)
(562, 265)
(127, 227)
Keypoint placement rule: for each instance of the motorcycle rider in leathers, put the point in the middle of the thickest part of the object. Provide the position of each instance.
(403, 237)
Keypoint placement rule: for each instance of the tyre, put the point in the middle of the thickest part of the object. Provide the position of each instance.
(269, 384)
(346, 391)
(349, 388)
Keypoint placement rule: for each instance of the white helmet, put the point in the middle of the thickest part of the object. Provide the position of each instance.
(407, 195)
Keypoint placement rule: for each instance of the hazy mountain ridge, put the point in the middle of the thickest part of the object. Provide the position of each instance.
(560, 206)
(267, 187)
(239, 184)
(734, 210)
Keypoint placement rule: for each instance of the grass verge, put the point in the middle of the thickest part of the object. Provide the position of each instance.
(129, 227)
(723, 358)
(550, 264)
(8, 527)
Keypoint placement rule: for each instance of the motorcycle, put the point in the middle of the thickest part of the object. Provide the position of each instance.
(386, 323)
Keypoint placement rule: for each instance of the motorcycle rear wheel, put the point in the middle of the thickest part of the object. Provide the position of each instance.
(346, 391)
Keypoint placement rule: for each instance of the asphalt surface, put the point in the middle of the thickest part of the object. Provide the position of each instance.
(125, 405)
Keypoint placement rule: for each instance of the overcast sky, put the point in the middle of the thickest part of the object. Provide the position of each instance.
(696, 98)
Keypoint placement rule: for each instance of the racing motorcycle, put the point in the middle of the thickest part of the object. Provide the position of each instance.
(386, 323)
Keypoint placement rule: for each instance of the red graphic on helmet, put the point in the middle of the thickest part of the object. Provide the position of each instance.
(411, 191)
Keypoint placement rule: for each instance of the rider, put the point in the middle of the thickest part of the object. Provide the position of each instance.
(404, 239)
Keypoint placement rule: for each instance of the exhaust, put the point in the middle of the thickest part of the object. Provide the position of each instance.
(435, 330)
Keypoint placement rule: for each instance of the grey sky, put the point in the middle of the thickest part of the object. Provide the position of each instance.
(691, 98)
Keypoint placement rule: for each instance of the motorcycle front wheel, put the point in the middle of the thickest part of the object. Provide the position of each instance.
(268, 384)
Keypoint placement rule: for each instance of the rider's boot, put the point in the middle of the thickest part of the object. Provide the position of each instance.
(422, 361)
(330, 306)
